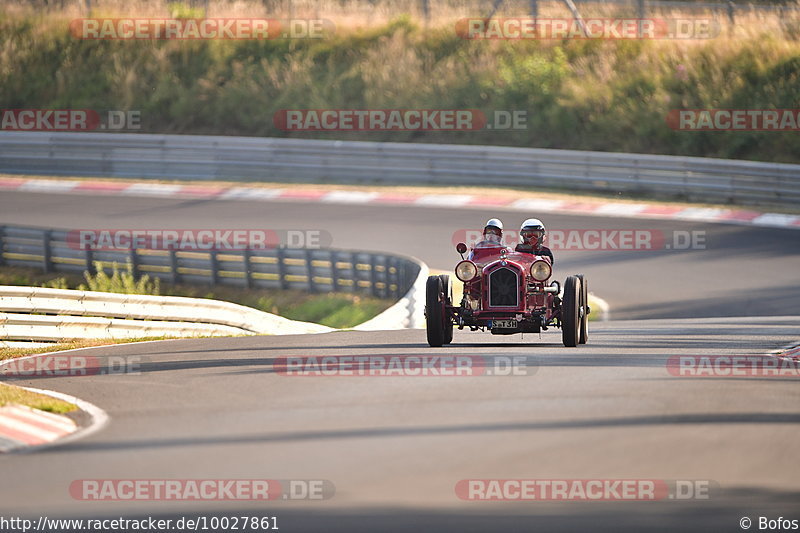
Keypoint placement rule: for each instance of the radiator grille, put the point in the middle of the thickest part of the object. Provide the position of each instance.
(503, 288)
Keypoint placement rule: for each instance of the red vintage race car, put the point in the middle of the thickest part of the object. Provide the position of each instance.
(506, 292)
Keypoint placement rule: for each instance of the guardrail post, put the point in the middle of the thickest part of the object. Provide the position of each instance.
(401, 277)
(392, 278)
(281, 255)
(386, 287)
(248, 273)
(373, 274)
(89, 257)
(173, 266)
(47, 264)
(354, 264)
(2, 245)
(312, 287)
(212, 256)
(334, 273)
(133, 259)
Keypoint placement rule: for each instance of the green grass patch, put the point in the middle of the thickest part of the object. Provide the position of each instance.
(16, 395)
(335, 310)
(120, 281)
(10, 353)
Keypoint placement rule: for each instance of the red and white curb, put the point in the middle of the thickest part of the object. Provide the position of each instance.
(237, 192)
(22, 426)
(792, 353)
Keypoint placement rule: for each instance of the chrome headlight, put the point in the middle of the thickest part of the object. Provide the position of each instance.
(466, 270)
(540, 270)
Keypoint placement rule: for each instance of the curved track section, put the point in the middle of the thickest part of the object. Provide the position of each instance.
(395, 447)
(741, 271)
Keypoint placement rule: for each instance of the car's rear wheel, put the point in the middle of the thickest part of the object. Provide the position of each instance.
(434, 311)
(447, 292)
(583, 335)
(570, 319)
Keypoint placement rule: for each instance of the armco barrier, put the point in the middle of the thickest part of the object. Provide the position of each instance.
(377, 274)
(43, 314)
(17, 327)
(250, 158)
(82, 314)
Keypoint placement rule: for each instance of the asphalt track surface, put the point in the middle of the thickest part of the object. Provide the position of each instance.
(395, 447)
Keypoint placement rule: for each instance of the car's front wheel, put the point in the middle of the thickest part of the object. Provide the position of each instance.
(435, 311)
(447, 292)
(570, 313)
(583, 334)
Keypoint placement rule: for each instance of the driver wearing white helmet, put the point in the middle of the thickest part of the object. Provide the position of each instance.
(492, 233)
(533, 236)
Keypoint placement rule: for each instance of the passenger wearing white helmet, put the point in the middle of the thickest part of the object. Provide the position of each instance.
(492, 232)
(533, 236)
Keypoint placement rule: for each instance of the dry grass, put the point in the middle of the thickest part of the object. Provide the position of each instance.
(610, 95)
(349, 15)
(12, 353)
(16, 395)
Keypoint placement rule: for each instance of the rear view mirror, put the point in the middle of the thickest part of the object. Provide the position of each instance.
(461, 247)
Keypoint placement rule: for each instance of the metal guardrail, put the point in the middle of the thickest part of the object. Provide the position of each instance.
(324, 270)
(295, 160)
(175, 309)
(54, 328)
(37, 314)
(381, 275)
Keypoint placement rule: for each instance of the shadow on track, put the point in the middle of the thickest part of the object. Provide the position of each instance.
(392, 432)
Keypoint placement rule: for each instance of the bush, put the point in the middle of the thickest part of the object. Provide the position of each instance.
(120, 282)
(586, 95)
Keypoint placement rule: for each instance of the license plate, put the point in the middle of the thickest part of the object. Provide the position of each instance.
(504, 324)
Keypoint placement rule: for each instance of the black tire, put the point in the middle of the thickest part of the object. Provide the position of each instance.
(434, 310)
(447, 291)
(583, 335)
(570, 320)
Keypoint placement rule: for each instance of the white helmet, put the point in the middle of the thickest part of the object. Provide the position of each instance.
(493, 230)
(495, 223)
(532, 232)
